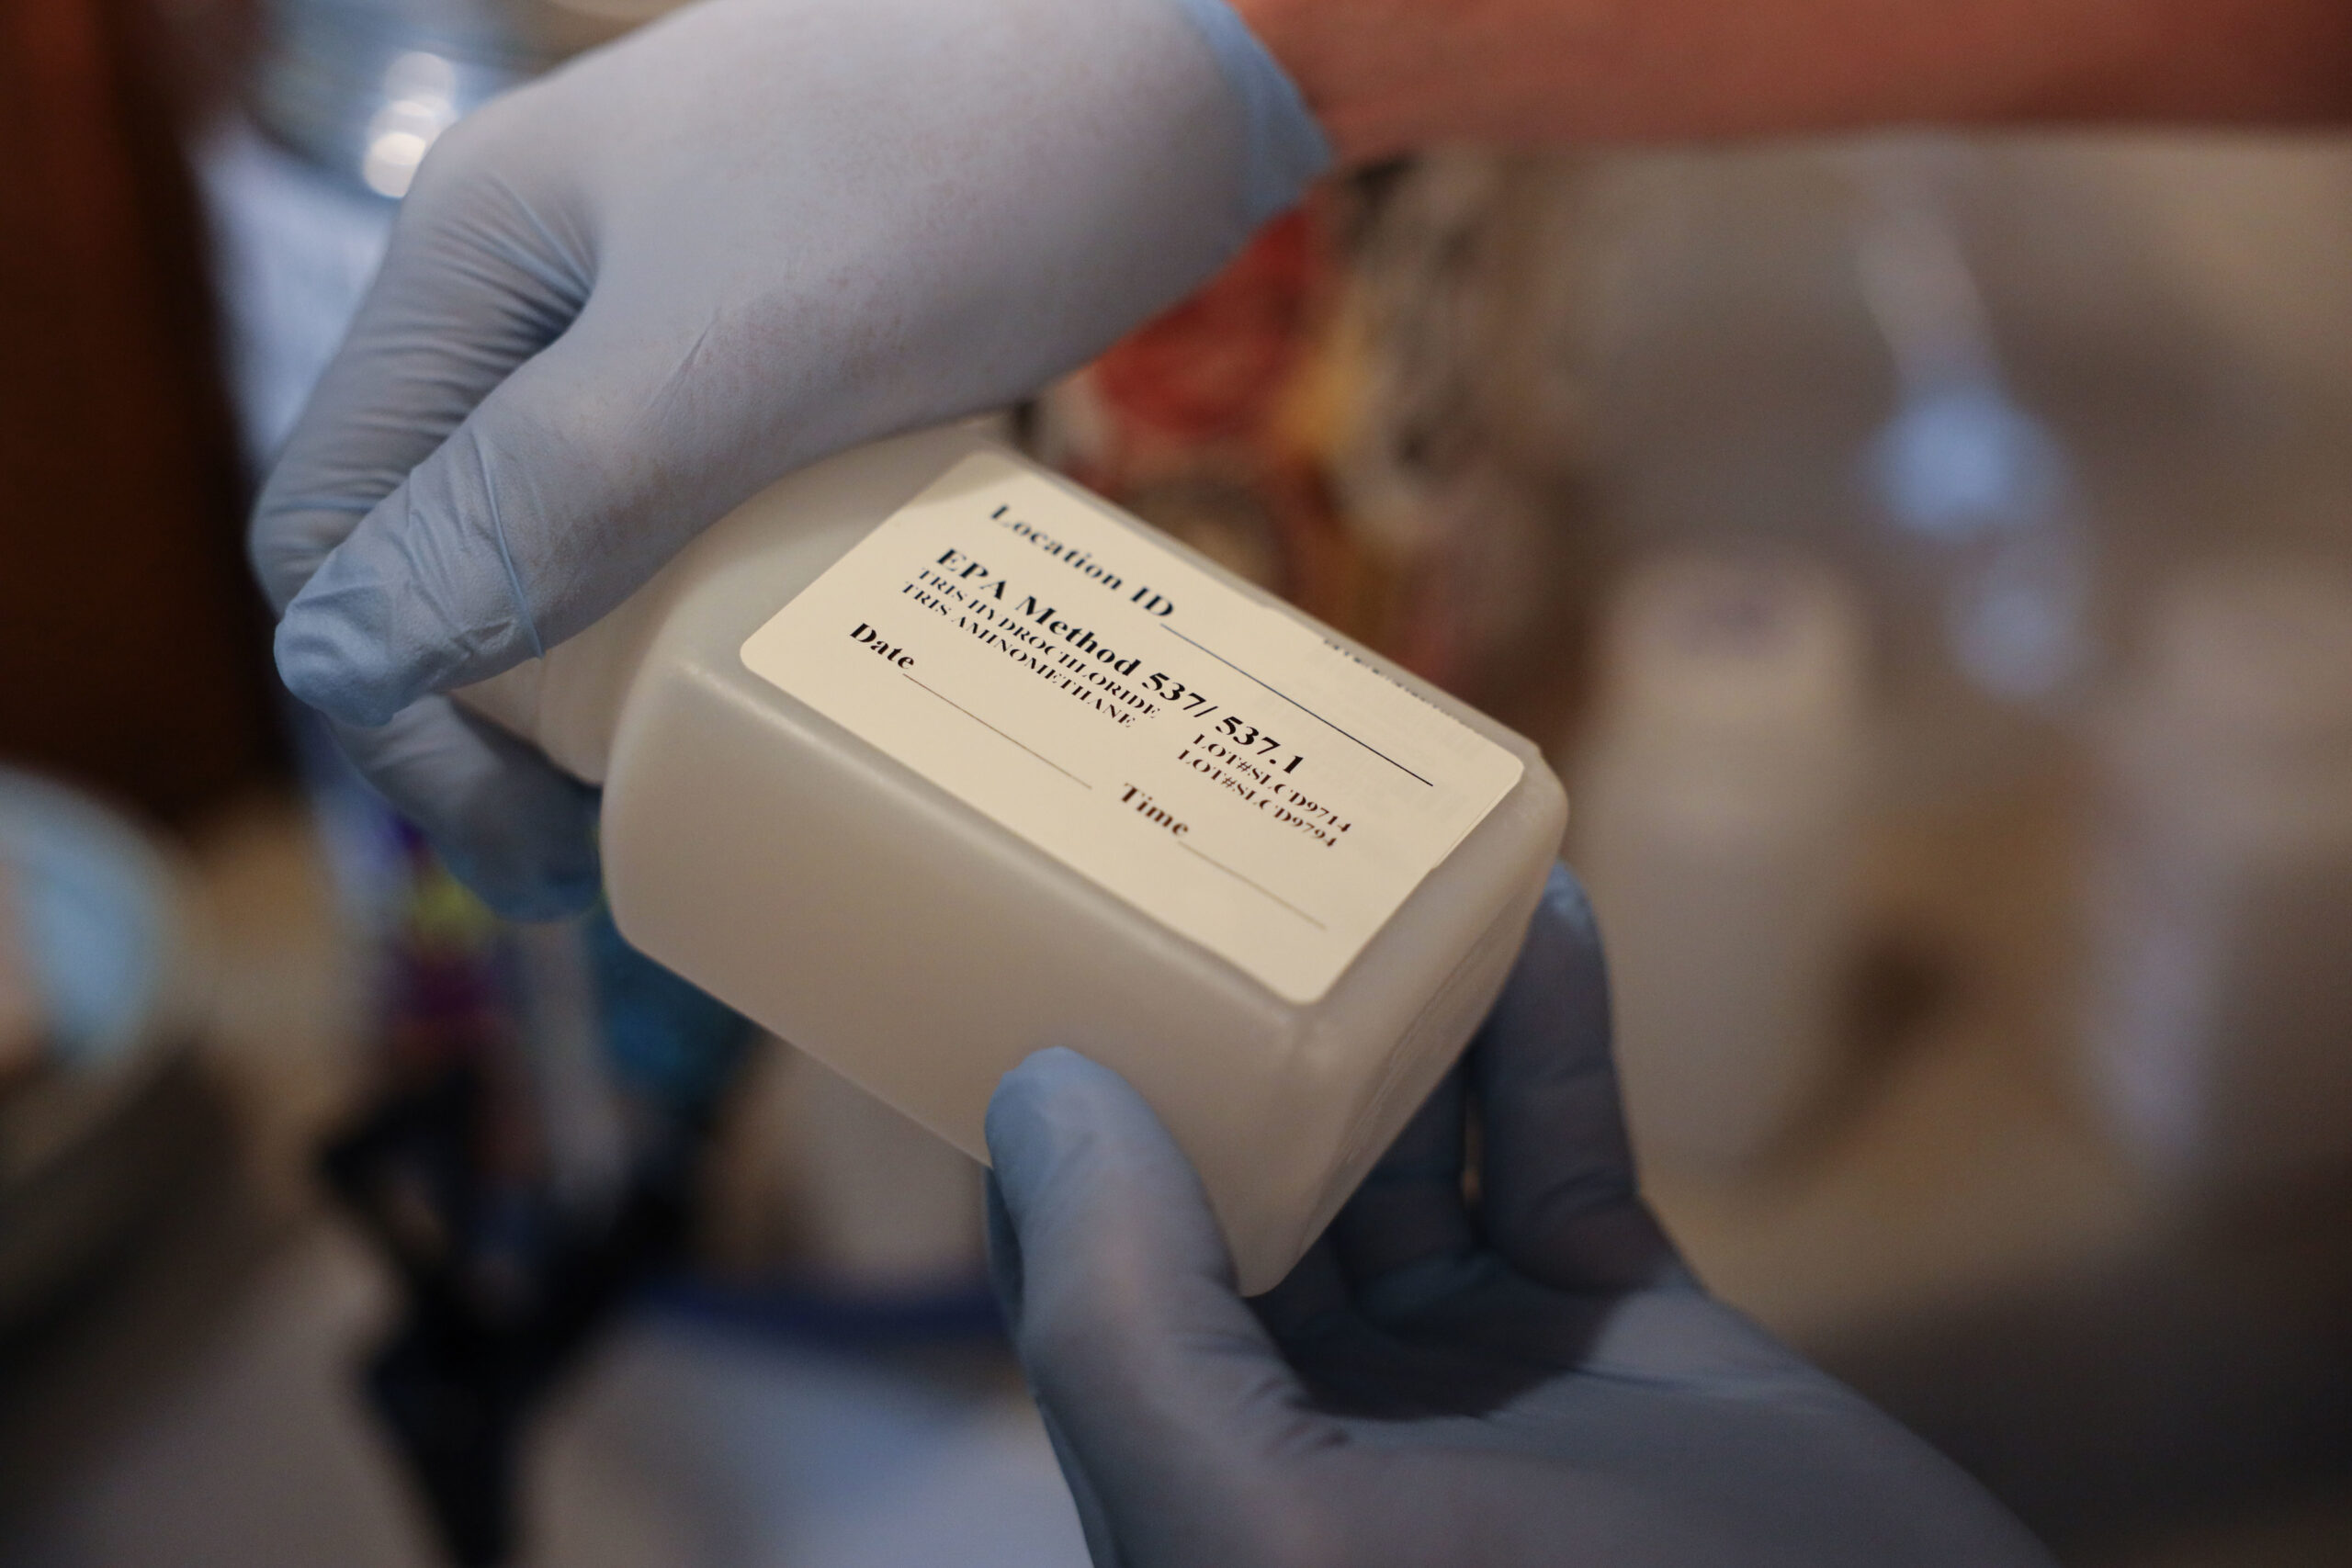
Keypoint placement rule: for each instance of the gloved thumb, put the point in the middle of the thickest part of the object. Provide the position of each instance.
(1167, 1401)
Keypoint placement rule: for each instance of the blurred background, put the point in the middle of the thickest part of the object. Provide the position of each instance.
(1928, 560)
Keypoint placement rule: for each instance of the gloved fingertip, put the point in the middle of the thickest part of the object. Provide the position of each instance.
(508, 825)
(327, 664)
(1116, 1282)
(1285, 145)
(1565, 902)
(1040, 1107)
(1080, 1153)
(1052, 1073)
(1562, 952)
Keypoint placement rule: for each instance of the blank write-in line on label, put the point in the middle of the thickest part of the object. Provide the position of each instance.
(993, 730)
(1247, 883)
(1294, 702)
(1207, 860)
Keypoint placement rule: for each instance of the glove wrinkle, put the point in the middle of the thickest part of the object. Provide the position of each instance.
(506, 555)
(565, 280)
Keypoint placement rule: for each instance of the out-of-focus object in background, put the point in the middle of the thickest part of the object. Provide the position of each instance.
(1327, 417)
(362, 88)
(2219, 1035)
(1716, 803)
(21, 1014)
(1186, 420)
(525, 1164)
(296, 248)
(132, 650)
(1978, 487)
(822, 1192)
(1451, 419)
(885, 1206)
(115, 959)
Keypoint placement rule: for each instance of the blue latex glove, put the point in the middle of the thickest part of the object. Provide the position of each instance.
(622, 300)
(1533, 1377)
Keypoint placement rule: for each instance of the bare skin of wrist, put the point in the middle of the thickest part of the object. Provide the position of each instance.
(1387, 76)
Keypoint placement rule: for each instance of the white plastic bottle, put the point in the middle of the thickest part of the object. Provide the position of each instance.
(1718, 797)
(926, 760)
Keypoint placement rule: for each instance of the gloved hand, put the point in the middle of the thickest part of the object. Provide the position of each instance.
(622, 300)
(1528, 1377)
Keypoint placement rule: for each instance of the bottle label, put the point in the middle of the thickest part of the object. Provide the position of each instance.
(1212, 760)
